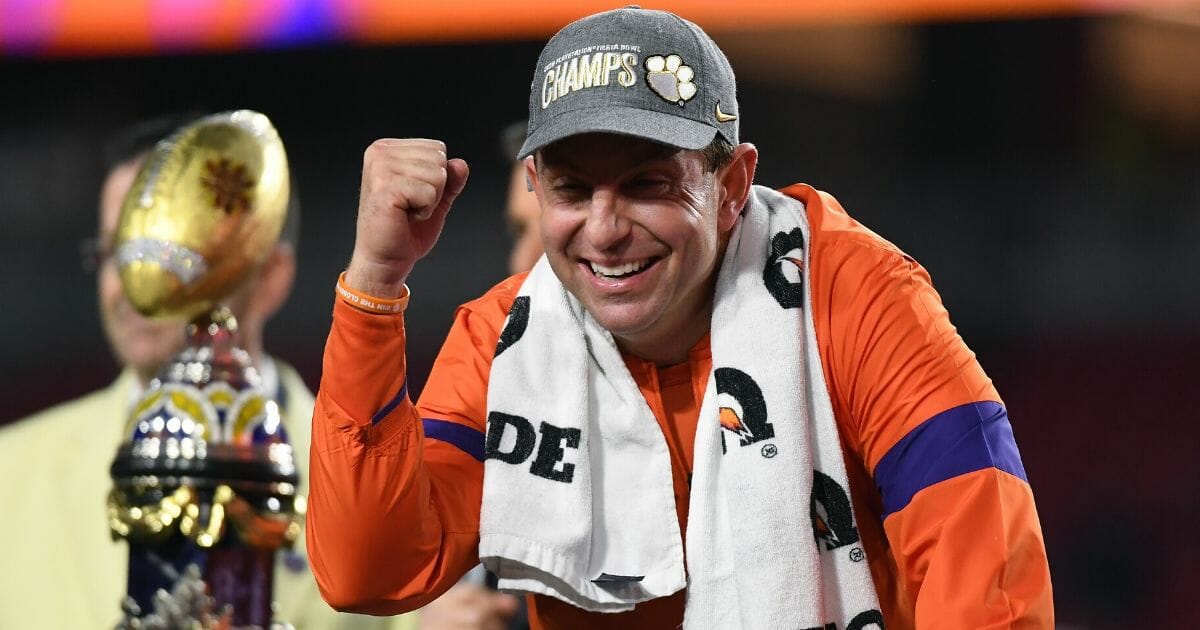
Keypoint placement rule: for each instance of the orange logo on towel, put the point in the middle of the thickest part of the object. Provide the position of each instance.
(731, 421)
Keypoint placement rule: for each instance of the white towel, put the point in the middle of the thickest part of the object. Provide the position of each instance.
(578, 498)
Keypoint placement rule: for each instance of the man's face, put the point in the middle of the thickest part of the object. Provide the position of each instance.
(136, 342)
(523, 224)
(631, 229)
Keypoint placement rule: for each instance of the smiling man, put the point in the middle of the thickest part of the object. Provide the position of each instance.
(710, 403)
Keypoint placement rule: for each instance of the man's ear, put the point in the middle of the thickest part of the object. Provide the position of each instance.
(736, 178)
(531, 174)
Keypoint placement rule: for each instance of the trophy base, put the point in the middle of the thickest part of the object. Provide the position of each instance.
(233, 581)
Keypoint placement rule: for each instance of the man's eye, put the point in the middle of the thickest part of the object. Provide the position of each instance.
(570, 188)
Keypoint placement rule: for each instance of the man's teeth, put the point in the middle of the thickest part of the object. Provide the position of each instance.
(621, 270)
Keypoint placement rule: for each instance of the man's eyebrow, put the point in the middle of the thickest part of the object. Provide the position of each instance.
(550, 160)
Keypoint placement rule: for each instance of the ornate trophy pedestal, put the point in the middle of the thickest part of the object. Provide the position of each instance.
(206, 480)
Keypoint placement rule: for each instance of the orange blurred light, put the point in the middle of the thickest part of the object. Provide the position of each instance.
(91, 27)
(88, 27)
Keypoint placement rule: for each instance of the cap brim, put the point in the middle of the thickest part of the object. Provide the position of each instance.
(667, 129)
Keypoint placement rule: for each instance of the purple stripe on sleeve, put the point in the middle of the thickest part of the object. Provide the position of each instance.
(955, 442)
(383, 413)
(467, 440)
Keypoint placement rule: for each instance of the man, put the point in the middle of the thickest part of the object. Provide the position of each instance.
(708, 404)
(63, 570)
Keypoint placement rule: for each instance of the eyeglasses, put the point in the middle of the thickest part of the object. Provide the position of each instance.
(93, 252)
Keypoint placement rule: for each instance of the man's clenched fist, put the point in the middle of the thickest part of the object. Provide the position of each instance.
(408, 187)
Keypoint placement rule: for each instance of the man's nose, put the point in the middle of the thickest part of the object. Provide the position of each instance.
(607, 225)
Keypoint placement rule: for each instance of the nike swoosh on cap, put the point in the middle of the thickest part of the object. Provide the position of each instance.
(723, 117)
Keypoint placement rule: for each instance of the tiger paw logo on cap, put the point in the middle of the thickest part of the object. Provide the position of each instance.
(670, 78)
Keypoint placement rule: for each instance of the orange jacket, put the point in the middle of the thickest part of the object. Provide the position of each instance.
(942, 505)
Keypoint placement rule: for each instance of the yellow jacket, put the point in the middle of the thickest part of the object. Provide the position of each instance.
(59, 567)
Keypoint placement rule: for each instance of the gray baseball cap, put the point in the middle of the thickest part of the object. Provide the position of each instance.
(636, 72)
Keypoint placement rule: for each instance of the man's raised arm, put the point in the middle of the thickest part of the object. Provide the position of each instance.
(377, 542)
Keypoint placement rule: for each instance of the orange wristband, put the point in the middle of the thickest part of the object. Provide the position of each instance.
(368, 303)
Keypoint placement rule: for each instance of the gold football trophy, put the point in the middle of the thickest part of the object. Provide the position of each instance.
(204, 485)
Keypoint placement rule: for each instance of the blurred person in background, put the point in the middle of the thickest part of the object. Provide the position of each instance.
(521, 210)
(62, 567)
